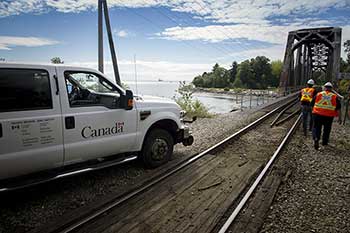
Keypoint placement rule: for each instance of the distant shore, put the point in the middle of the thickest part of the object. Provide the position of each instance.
(224, 91)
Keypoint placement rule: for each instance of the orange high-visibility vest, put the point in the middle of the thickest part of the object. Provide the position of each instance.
(325, 104)
(307, 94)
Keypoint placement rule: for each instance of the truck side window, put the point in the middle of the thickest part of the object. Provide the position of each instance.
(24, 89)
(87, 89)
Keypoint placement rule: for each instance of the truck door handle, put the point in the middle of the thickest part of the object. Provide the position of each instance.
(56, 81)
(70, 122)
(0, 130)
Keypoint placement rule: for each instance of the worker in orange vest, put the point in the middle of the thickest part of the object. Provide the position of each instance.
(326, 106)
(306, 95)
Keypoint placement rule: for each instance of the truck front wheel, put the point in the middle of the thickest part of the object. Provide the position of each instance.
(158, 148)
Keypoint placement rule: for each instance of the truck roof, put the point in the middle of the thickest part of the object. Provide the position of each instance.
(43, 66)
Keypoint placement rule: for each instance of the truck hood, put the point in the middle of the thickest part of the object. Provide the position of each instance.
(143, 101)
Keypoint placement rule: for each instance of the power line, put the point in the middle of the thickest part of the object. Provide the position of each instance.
(155, 25)
(229, 37)
(177, 24)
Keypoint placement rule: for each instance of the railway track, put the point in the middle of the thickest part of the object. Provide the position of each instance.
(88, 219)
(226, 226)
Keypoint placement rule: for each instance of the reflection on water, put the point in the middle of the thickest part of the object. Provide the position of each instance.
(215, 103)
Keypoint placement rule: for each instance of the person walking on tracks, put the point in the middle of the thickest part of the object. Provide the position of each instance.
(306, 95)
(326, 106)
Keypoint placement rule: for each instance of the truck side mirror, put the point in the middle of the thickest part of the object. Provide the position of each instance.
(129, 100)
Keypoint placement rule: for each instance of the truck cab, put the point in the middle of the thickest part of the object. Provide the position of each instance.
(54, 117)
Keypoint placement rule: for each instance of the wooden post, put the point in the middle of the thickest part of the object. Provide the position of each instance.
(250, 98)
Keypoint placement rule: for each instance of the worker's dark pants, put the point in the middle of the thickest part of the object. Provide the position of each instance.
(320, 121)
(307, 117)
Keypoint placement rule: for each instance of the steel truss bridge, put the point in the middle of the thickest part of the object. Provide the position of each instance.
(309, 51)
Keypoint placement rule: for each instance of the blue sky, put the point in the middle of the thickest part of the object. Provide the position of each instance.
(172, 40)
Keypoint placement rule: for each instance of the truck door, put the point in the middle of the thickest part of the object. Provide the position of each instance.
(95, 125)
(30, 121)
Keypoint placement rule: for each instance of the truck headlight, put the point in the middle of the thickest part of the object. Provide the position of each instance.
(182, 114)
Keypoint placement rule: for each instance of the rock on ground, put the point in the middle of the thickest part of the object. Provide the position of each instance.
(316, 197)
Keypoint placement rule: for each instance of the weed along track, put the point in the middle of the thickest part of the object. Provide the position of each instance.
(193, 196)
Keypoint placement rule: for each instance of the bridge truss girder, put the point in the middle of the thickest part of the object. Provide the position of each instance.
(308, 51)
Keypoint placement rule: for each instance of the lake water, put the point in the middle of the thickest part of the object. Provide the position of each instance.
(215, 103)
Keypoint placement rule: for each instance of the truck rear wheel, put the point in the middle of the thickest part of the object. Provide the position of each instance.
(158, 148)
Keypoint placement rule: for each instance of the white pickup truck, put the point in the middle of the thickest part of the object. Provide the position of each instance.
(62, 120)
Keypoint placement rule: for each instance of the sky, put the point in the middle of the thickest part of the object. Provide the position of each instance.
(170, 39)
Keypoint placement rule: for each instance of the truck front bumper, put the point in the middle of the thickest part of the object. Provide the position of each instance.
(184, 135)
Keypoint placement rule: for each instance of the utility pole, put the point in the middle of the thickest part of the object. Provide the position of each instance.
(100, 36)
(103, 9)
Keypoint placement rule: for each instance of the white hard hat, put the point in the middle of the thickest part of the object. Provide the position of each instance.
(311, 82)
(328, 84)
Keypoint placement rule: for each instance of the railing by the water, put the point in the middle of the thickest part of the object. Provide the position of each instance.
(253, 98)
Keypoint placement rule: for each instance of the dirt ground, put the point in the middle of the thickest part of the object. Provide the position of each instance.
(316, 197)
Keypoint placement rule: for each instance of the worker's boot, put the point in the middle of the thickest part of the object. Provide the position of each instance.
(316, 144)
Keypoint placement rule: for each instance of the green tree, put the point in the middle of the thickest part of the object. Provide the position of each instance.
(347, 50)
(198, 81)
(237, 83)
(56, 60)
(344, 66)
(262, 71)
(207, 80)
(276, 69)
(255, 73)
(245, 74)
(233, 71)
(220, 76)
(344, 85)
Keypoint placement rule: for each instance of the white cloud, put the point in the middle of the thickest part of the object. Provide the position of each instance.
(216, 33)
(122, 33)
(225, 11)
(6, 42)
(275, 52)
(21, 6)
(252, 20)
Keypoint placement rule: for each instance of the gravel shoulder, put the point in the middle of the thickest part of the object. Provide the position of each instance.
(33, 208)
(316, 197)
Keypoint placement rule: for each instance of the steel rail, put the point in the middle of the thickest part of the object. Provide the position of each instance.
(287, 117)
(281, 113)
(252, 188)
(68, 173)
(76, 224)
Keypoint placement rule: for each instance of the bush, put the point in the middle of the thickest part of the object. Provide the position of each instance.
(193, 107)
(226, 89)
(344, 86)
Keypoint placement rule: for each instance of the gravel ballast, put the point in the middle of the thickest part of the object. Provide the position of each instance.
(316, 197)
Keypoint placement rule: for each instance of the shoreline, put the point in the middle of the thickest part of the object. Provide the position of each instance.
(234, 92)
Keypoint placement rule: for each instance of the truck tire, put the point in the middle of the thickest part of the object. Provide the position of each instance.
(158, 148)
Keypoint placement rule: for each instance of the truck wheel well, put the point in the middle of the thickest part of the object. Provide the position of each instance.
(168, 125)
